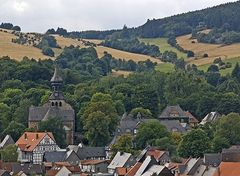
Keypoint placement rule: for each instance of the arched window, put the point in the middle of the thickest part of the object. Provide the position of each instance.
(52, 103)
(56, 103)
(60, 103)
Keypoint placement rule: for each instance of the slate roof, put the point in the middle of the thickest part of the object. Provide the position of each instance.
(148, 162)
(66, 113)
(27, 168)
(172, 109)
(54, 156)
(29, 140)
(129, 123)
(173, 125)
(6, 141)
(212, 159)
(119, 160)
(90, 152)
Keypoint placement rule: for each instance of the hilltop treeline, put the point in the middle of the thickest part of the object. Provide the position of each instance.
(10, 26)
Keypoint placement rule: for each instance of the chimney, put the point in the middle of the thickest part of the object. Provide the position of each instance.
(25, 136)
(37, 136)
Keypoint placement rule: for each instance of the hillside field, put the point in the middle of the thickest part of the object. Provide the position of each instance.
(163, 45)
(233, 61)
(17, 51)
(226, 52)
(62, 41)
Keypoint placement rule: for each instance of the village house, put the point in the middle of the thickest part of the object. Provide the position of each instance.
(31, 146)
(121, 159)
(94, 166)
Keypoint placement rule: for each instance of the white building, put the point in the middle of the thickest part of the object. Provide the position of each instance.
(32, 145)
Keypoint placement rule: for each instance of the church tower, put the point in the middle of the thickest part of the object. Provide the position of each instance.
(56, 107)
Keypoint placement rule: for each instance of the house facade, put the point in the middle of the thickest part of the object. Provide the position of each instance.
(32, 145)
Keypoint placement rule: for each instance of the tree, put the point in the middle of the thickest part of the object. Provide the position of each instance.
(14, 129)
(228, 128)
(48, 51)
(195, 143)
(149, 132)
(55, 126)
(9, 154)
(236, 72)
(144, 113)
(97, 129)
(124, 143)
(220, 143)
(16, 28)
(104, 105)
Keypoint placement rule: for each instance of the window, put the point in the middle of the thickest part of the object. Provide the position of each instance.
(60, 103)
(56, 103)
(52, 103)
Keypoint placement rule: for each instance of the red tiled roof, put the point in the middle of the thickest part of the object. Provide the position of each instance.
(192, 119)
(157, 154)
(228, 169)
(134, 169)
(29, 140)
(122, 170)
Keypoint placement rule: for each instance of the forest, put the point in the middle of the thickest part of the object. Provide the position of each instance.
(88, 84)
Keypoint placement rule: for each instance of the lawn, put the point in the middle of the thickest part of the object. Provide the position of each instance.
(223, 72)
(163, 45)
(165, 67)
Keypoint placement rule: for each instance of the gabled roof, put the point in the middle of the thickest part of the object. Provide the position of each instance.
(27, 168)
(90, 152)
(173, 125)
(192, 119)
(155, 169)
(212, 116)
(134, 169)
(119, 160)
(212, 159)
(29, 140)
(157, 154)
(228, 169)
(148, 162)
(121, 170)
(172, 110)
(54, 156)
(6, 141)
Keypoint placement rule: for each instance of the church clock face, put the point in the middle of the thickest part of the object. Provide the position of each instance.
(56, 94)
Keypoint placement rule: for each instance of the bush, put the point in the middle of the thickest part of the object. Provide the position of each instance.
(205, 55)
(48, 51)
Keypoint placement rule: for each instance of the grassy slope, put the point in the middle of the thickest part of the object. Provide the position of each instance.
(233, 61)
(101, 49)
(163, 45)
(17, 51)
(225, 52)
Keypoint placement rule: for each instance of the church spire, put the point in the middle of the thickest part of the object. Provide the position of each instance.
(56, 83)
